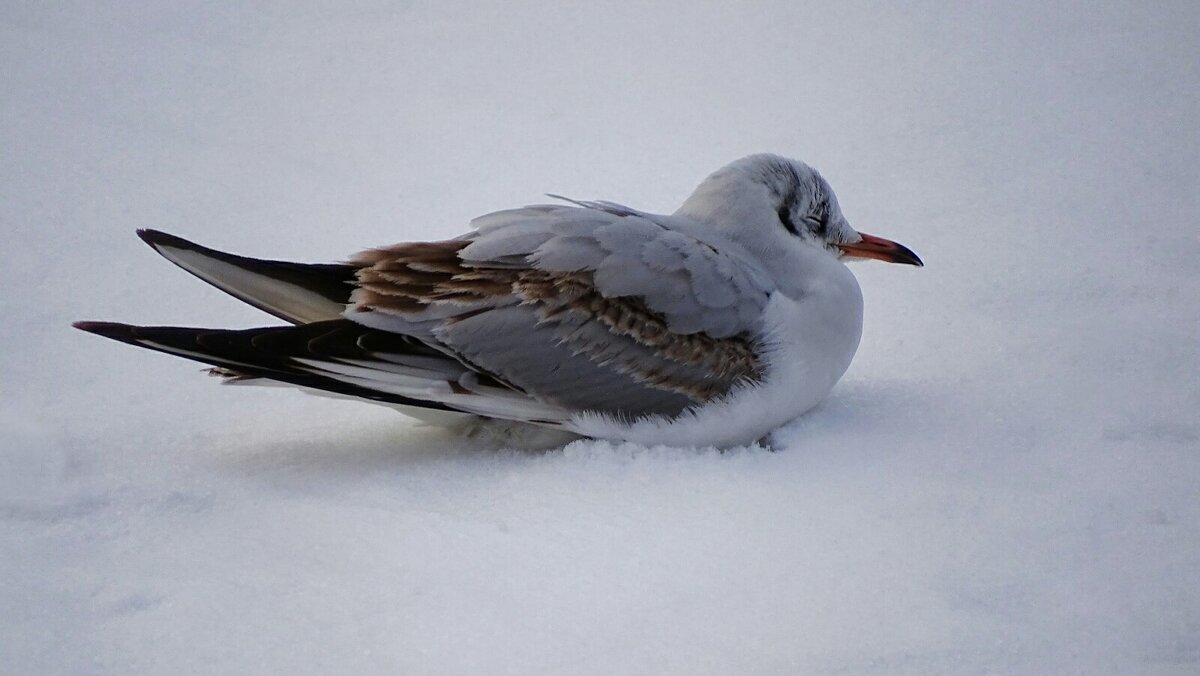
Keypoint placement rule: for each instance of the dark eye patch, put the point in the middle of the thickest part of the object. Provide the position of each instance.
(785, 217)
(820, 217)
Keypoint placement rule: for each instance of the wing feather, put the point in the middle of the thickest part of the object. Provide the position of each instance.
(539, 313)
(590, 307)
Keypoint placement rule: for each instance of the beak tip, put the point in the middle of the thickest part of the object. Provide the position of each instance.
(907, 256)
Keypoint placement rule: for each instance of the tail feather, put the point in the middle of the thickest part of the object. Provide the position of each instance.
(299, 293)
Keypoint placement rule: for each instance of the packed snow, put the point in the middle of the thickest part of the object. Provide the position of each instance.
(1007, 480)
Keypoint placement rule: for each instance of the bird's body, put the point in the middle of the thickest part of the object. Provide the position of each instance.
(712, 326)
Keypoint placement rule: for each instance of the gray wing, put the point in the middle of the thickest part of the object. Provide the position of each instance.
(591, 307)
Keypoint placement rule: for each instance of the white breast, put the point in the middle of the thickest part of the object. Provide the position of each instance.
(808, 343)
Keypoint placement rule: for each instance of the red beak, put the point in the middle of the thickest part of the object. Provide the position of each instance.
(881, 249)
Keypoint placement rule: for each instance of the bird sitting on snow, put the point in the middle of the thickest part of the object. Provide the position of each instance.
(710, 326)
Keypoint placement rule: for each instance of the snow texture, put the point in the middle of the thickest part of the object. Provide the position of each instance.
(1006, 481)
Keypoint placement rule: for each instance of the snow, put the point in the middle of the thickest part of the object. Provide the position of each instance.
(1005, 481)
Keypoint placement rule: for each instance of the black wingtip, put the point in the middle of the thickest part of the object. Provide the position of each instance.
(114, 330)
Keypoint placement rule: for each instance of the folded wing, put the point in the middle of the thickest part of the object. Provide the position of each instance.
(537, 314)
(593, 308)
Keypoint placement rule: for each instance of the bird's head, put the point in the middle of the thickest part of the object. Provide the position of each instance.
(801, 201)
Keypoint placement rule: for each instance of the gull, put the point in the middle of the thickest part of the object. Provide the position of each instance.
(712, 326)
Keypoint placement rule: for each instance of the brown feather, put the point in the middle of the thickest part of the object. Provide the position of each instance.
(407, 278)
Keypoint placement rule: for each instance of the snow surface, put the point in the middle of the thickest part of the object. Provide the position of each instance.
(1007, 480)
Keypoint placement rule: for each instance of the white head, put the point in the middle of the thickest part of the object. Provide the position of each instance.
(791, 196)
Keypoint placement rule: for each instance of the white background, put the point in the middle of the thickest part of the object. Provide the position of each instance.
(1007, 479)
